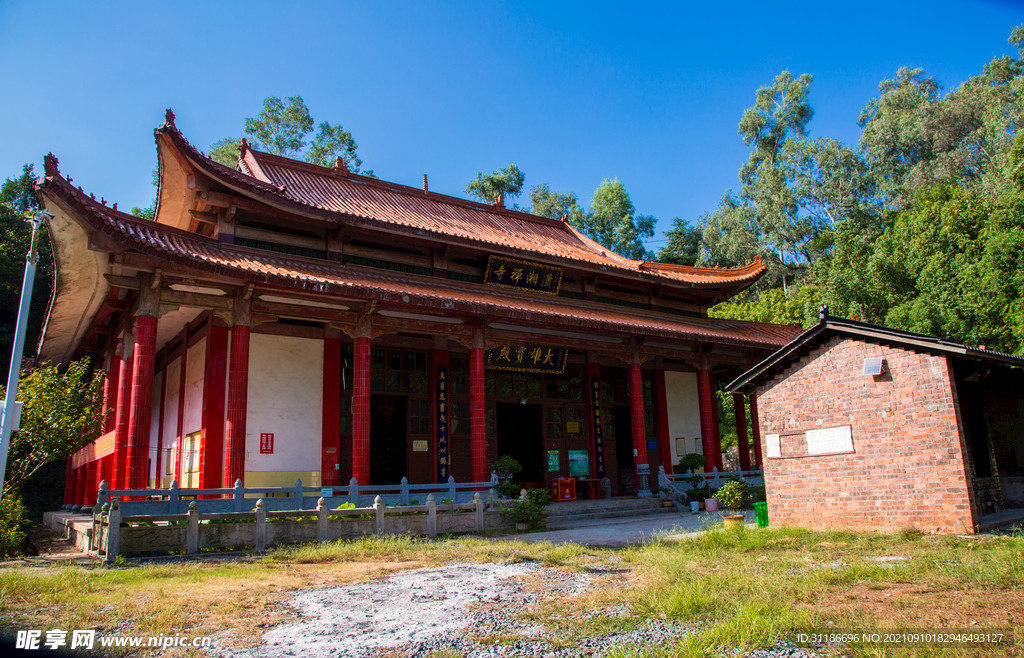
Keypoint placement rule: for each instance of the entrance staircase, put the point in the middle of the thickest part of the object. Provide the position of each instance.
(561, 514)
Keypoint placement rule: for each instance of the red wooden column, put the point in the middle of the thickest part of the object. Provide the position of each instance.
(106, 471)
(141, 401)
(142, 384)
(211, 438)
(119, 474)
(440, 360)
(636, 410)
(706, 403)
(80, 477)
(238, 394)
(92, 482)
(741, 431)
(663, 433)
(477, 408)
(755, 429)
(181, 406)
(159, 457)
(331, 419)
(361, 400)
(110, 384)
(716, 423)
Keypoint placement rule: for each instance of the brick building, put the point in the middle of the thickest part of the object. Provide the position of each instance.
(283, 320)
(872, 428)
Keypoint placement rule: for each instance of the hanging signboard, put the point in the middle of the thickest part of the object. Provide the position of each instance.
(526, 358)
(442, 424)
(579, 464)
(554, 461)
(595, 392)
(522, 275)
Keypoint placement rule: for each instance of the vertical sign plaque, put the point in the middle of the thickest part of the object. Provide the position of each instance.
(442, 424)
(595, 395)
(266, 444)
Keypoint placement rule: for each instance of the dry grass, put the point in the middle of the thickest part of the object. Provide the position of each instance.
(739, 589)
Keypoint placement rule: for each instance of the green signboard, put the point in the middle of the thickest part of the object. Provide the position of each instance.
(579, 464)
(554, 461)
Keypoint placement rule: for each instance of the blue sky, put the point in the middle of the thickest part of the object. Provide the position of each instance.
(571, 92)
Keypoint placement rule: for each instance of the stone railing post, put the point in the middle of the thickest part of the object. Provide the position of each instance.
(260, 538)
(606, 488)
(478, 502)
(95, 543)
(102, 495)
(321, 520)
(298, 493)
(238, 496)
(173, 498)
(405, 491)
(451, 489)
(353, 492)
(663, 480)
(192, 534)
(431, 517)
(714, 477)
(113, 532)
(378, 504)
(522, 495)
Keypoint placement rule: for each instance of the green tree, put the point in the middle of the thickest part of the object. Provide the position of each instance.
(18, 199)
(612, 221)
(555, 205)
(506, 182)
(683, 246)
(282, 128)
(62, 413)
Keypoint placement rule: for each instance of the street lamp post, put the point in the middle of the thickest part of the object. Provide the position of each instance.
(10, 410)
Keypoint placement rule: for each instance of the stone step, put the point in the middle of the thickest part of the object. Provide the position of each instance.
(616, 507)
(568, 519)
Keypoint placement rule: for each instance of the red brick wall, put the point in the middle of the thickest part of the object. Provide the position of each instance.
(907, 469)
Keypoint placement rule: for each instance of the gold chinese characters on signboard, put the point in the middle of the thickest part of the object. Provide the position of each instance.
(522, 275)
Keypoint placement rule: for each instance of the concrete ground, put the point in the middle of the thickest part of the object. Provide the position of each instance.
(623, 531)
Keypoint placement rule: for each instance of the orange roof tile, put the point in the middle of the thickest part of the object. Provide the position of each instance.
(348, 198)
(327, 277)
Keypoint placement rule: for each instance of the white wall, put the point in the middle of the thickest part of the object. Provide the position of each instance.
(195, 369)
(171, 409)
(683, 410)
(285, 399)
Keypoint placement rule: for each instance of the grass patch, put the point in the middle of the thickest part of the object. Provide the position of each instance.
(741, 589)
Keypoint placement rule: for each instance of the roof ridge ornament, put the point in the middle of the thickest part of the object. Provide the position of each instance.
(169, 118)
(823, 312)
(51, 165)
(243, 146)
(340, 166)
(499, 201)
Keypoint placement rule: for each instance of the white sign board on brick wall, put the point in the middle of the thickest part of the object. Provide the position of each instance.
(774, 445)
(829, 441)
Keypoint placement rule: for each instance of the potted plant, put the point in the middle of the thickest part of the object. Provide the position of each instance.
(666, 496)
(524, 513)
(697, 492)
(732, 494)
(506, 467)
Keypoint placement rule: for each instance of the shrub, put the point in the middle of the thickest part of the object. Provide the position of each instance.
(732, 494)
(539, 497)
(506, 467)
(14, 526)
(692, 461)
(524, 511)
(508, 489)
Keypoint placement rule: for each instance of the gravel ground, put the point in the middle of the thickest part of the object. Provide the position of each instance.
(471, 609)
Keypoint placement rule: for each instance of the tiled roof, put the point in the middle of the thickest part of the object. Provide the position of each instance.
(350, 198)
(327, 277)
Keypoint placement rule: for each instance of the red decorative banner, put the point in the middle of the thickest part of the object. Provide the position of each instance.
(266, 444)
